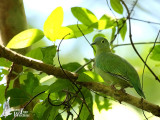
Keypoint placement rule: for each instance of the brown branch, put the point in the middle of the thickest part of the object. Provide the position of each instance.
(57, 72)
(123, 97)
(35, 64)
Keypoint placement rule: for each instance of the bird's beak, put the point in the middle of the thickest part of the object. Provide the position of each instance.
(93, 43)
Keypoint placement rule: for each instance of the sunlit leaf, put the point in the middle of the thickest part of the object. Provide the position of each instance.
(48, 54)
(25, 38)
(105, 22)
(89, 76)
(76, 32)
(155, 55)
(54, 20)
(2, 89)
(84, 15)
(90, 65)
(40, 89)
(102, 103)
(39, 110)
(117, 6)
(5, 63)
(123, 31)
(53, 25)
(59, 33)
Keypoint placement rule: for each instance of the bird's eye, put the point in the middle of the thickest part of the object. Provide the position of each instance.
(102, 41)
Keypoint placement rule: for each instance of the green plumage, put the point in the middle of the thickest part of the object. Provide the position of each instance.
(114, 69)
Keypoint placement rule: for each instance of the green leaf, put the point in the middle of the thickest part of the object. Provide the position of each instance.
(30, 83)
(25, 38)
(59, 85)
(48, 54)
(102, 103)
(44, 111)
(39, 89)
(35, 53)
(73, 67)
(39, 110)
(117, 6)
(2, 89)
(106, 22)
(84, 15)
(90, 65)
(75, 32)
(1, 109)
(5, 63)
(51, 113)
(155, 55)
(17, 97)
(113, 33)
(4, 71)
(123, 31)
(89, 76)
(85, 113)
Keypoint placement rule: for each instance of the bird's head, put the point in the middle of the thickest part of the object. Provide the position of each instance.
(101, 44)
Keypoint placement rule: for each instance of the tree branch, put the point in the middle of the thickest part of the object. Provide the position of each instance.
(57, 72)
(123, 97)
(35, 64)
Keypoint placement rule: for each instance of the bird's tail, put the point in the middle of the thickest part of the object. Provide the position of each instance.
(141, 93)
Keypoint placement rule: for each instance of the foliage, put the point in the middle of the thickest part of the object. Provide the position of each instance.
(61, 90)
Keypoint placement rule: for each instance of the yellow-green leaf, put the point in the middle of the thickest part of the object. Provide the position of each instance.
(89, 76)
(105, 22)
(60, 33)
(84, 15)
(25, 38)
(52, 25)
(76, 32)
(117, 6)
(71, 31)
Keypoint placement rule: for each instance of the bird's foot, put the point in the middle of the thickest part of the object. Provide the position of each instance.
(123, 90)
(113, 87)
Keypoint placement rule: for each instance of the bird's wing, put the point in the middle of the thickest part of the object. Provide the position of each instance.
(109, 62)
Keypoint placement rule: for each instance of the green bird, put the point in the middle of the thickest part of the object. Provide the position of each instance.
(113, 69)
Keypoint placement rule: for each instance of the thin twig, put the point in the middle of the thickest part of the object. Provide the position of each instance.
(70, 78)
(111, 9)
(28, 104)
(139, 43)
(148, 56)
(133, 7)
(85, 36)
(144, 21)
(118, 31)
(130, 36)
(84, 65)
